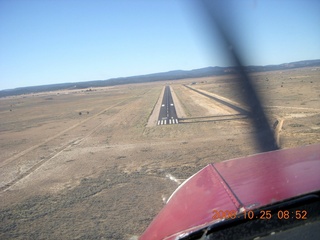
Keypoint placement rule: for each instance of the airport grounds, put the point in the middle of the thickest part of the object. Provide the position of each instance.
(93, 163)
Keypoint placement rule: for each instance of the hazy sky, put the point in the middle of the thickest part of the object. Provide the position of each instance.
(53, 41)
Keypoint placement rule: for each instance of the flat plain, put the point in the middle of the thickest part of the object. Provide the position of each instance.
(92, 164)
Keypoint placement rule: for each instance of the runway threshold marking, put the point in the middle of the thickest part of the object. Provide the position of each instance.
(165, 122)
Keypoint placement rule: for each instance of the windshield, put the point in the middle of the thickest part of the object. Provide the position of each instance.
(108, 106)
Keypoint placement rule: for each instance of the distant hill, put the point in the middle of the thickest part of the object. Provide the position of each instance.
(171, 75)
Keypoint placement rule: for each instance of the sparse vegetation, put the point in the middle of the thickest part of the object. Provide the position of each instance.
(93, 173)
(295, 125)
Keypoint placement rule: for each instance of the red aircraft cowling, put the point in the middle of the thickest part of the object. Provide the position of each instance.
(239, 184)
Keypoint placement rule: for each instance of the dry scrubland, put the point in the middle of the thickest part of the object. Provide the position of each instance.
(105, 174)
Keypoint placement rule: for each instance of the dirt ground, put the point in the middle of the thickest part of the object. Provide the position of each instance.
(92, 164)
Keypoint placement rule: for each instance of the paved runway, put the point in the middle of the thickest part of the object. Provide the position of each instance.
(167, 114)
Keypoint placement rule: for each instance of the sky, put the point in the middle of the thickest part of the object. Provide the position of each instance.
(57, 41)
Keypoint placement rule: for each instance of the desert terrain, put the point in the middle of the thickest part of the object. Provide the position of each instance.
(93, 164)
